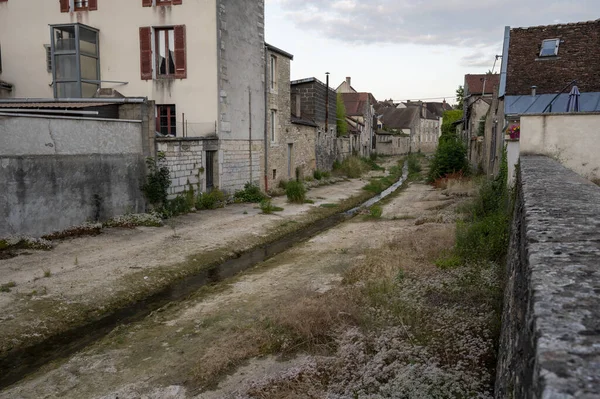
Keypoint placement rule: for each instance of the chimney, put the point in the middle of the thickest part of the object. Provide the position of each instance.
(533, 90)
(349, 80)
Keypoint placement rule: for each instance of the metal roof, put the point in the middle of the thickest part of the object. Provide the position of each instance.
(527, 104)
(67, 105)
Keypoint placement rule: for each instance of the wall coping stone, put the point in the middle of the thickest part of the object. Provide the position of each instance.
(561, 216)
(176, 139)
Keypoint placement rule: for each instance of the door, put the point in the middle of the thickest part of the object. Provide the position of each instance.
(210, 170)
(290, 149)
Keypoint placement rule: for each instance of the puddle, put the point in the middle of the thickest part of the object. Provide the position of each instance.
(17, 364)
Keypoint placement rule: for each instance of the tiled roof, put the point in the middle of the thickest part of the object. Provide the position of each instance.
(474, 83)
(355, 103)
(399, 118)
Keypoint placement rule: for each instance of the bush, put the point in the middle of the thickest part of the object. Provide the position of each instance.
(326, 174)
(353, 167)
(336, 165)
(177, 206)
(450, 157)
(414, 166)
(317, 174)
(282, 184)
(296, 192)
(158, 181)
(268, 208)
(212, 200)
(375, 186)
(250, 193)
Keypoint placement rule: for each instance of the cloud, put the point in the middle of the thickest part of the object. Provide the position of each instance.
(461, 23)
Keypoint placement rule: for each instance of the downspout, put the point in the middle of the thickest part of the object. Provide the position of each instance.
(250, 130)
(266, 124)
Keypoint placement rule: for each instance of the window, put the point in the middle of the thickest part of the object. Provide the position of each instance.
(48, 49)
(166, 120)
(78, 5)
(150, 3)
(165, 56)
(273, 122)
(549, 48)
(273, 70)
(75, 64)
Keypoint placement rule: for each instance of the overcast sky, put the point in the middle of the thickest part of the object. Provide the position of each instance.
(406, 49)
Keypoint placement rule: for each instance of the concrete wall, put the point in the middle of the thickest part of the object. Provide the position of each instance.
(60, 172)
(550, 339)
(573, 139)
(119, 22)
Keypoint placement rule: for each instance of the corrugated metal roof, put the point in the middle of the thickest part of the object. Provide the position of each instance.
(53, 105)
(527, 104)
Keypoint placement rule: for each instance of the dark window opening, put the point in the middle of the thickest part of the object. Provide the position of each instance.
(166, 120)
(165, 52)
(274, 174)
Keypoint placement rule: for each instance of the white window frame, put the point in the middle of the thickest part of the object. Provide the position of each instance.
(556, 46)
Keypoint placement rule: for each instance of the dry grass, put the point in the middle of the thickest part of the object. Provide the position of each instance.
(415, 250)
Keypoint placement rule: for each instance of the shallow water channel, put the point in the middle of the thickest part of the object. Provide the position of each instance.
(17, 364)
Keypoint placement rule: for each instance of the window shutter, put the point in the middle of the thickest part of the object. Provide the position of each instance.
(180, 54)
(146, 3)
(64, 5)
(146, 53)
(92, 5)
(176, 2)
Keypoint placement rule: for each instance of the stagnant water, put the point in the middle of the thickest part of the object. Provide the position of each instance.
(17, 364)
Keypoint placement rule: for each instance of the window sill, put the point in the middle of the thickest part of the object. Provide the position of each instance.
(550, 58)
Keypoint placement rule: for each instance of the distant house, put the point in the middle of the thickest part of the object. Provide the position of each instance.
(477, 100)
(360, 111)
(309, 102)
(290, 145)
(346, 86)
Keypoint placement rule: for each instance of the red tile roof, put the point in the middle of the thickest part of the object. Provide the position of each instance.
(474, 83)
(355, 103)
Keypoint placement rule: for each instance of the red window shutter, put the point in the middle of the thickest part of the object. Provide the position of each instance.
(176, 2)
(92, 5)
(146, 3)
(180, 54)
(146, 53)
(64, 5)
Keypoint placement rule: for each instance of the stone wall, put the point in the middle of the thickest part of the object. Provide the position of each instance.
(550, 340)
(392, 145)
(237, 166)
(56, 172)
(184, 158)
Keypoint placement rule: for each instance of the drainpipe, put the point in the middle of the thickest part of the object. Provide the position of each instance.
(250, 130)
(266, 119)
(327, 103)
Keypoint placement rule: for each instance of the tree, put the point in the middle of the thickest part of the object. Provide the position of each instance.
(342, 126)
(460, 96)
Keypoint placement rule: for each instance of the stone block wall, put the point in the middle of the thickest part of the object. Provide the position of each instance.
(237, 166)
(184, 158)
(392, 145)
(550, 339)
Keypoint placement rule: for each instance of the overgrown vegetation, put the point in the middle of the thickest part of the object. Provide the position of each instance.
(450, 157)
(376, 211)
(414, 166)
(251, 193)
(295, 192)
(212, 200)
(6, 287)
(484, 233)
(268, 208)
(158, 181)
(353, 166)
